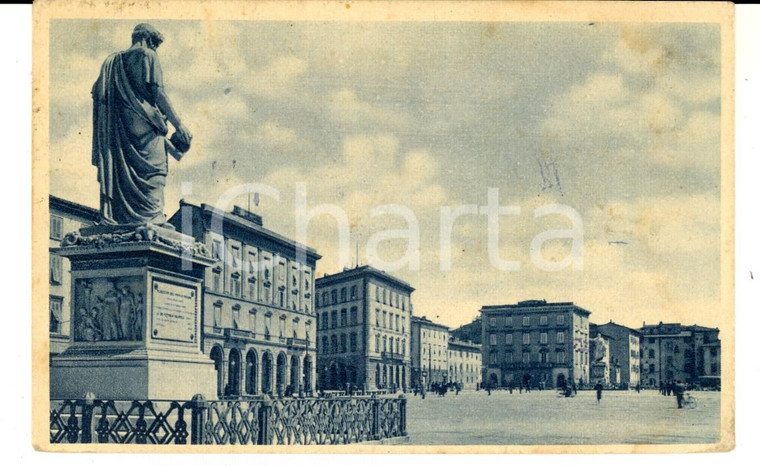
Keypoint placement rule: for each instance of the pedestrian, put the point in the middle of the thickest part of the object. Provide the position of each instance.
(679, 390)
(598, 387)
(488, 389)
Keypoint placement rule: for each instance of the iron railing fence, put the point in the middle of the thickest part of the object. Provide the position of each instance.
(237, 421)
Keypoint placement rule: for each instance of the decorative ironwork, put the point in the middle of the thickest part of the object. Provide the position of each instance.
(245, 421)
(232, 423)
(389, 417)
(109, 421)
(321, 422)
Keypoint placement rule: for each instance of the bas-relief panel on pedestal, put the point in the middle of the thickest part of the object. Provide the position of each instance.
(109, 309)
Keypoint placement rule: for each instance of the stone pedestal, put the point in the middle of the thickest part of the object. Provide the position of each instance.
(135, 316)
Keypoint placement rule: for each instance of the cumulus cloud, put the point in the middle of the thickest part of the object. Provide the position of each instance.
(433, 115)
(277, 79)
(352, 113)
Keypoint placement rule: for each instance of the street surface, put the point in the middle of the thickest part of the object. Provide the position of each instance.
(541, 418)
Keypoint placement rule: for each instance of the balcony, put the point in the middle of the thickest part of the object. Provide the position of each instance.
(297, 343)
(391, 356)
(237, 334)
(531, 365)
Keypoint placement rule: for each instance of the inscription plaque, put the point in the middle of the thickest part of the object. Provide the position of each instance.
(174, 312)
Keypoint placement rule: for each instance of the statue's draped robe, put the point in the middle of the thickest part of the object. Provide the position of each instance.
(128, 142)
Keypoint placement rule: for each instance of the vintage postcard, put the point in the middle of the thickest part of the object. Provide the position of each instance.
(462, 227)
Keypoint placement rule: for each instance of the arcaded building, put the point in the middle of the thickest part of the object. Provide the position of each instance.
(259, 321)
(364, 330)
(535, 342)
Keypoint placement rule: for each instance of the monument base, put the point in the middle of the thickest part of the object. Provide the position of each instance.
(136, 375)
(136, 316)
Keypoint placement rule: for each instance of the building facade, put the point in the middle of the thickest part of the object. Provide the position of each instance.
(671, 352)
(430, 343)
(65, 217)
(364, 331)
(464, 360)
(535, 342)
(625, 351)
(259, 321)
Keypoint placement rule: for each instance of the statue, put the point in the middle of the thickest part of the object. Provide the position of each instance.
(129, 143)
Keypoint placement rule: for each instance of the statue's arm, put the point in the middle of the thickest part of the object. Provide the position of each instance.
(165, 105)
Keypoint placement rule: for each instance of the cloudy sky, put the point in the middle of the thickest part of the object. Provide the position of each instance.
(619, 122)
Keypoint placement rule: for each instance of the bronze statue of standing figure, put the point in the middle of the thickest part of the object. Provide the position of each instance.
(129, 143)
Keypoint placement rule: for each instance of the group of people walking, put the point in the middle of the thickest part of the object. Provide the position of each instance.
(438, 388)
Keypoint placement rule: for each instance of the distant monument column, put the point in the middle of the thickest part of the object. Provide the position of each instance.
(136, 316)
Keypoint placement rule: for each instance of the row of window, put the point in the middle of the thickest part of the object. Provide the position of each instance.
(335, 344)
(541, 357)
(390, 320)
(526, 320)
(463, 369)
(253, 293)
(543, 338)
(676, 350)
(434, 334)
(390, 297)
(237, 322)
(464, 354)
(390, 344)
(252, 285)
(330, 319)
(332, 296)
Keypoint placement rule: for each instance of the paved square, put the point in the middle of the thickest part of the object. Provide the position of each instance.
(542, 418)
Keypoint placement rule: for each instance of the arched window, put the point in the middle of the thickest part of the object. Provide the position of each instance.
(217, 355)
(251, 368)
(334, 344)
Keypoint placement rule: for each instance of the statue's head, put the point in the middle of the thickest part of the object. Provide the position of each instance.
(147, 32)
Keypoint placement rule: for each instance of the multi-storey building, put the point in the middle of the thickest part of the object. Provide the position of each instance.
(624, 350)
(464, 363)
(534, 342)
(259, 324)
(710, 376)
(672, 352)
(65, 217)
(364, 330)
(430, 342)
